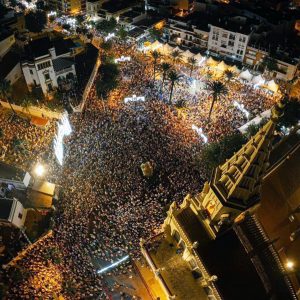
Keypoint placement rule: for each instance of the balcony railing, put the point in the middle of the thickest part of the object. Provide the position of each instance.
(70, 69)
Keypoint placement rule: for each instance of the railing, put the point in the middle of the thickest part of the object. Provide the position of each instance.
(156, 272)
(64, 71)
(88, 87)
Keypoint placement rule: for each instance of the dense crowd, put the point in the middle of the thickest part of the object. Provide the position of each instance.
(107, 204)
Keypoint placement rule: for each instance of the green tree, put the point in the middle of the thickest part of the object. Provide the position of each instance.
(35, 21)
(216, 89)
(5, 93)
(291, 114)
(106, 46)
(269, 64)
(155, 33)
(106, 26)
(173, 77)
(108, 81)
(216, 153)
(165, 67)
(18, 145)
(176, 56)
(228, 75)
(155, 56)
(192, 63)
(122, 34)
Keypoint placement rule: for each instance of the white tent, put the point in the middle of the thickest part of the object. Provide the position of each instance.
(177, 49)
(222, 66)
(187, 54)
(246, 75)
(156, 45)
(167, 49)
(272, 86)
(198, 57)
(234, 69)
(258, 80)
(211, 62)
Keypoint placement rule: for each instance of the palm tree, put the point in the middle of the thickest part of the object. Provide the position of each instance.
(181, 107)
(26, 103)
(216, 89)
(192, 63)
(176, 56)
(165, 67)
(173, 77)
(155, 55)
(18, 145)
(228, 75)
(5, 92)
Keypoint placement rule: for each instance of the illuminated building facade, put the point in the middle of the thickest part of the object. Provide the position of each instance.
(212, 246)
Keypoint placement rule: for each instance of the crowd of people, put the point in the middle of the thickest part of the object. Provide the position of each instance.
(107, 205)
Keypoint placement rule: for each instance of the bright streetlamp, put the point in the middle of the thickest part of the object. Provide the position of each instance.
(39, 170)
(290, 265)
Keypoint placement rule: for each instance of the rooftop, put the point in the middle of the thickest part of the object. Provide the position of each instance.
(40, 47)
(175, 271)
(7, 63)
(226, 258)
(62, 63)
(115, 6)
(10, 172)
(5, 208)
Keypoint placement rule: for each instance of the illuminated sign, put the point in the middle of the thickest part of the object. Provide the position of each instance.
(111, 35)
(113, 265)
(134, 98)
(63, 129)
(199, 131)
(123, 58)
(241, 107)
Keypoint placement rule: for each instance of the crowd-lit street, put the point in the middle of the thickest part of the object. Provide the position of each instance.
(107, 204)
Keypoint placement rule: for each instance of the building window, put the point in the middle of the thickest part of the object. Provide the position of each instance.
(242, 39)
(231, 43)
(47, 76)
(50, 89)
(232, 36)
(20, 216)
(44, 65)
(31, 72)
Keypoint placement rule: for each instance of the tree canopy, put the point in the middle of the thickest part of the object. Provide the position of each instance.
(108, 81)
(36, 21)
(291, 115)
(216, 153)
(106, 26)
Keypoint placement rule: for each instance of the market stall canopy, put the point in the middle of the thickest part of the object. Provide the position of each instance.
(272, 86)
(167, 49)
(222, 66)
(156, 45)
(234, 69)
(258, 80)
(211, 62)
(177, 49)
(187, 54)
(246, 75)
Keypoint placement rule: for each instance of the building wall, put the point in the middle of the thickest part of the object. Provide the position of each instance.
(19, 214)
(227, 43)
(14, 74)
(92, 8)
(34, 76)
(6, 44)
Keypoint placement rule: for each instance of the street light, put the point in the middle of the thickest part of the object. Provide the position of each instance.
(39, 170)
(290, 265)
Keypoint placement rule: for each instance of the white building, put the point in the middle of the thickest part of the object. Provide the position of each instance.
(92, 8)
(7, 39)
(12, 212)
(181, 31)
(47, 62)
(230, 38)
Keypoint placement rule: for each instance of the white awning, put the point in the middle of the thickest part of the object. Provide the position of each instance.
(246, 75)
